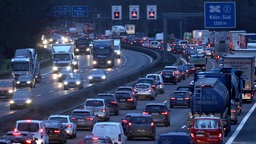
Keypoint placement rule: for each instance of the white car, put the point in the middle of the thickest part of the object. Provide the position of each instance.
(65, 120)
(97, 75)
(112, 129)
(159, 82)
(154, 44)
(99, 107)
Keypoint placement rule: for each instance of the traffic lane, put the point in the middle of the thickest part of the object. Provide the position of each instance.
(49, 89)
(178, 116)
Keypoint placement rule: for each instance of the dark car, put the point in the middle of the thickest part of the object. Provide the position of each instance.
(126, 88)
(22, 137)
(141, 126)
(174, 138)
(92, 139)
(62, 74)
(112, 102)
(56, 131)
(186, 88)
(21, 99)
(168, 76)
(159, 112)
(126, 100)
(185, 71)
(177, 49)
(192, 68)
(190, 52)
(180, 98)
(73, 80)
(7, 88)
(82, 45)
(26, 81)
(83, 118)
(126, 119)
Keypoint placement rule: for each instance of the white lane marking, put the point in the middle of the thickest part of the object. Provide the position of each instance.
(184, 60)
(184, 126)
(125, 60)
(238, 129)
(38, 95)
(51, 91)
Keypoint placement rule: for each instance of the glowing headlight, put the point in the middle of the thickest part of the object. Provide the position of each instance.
(12, 101)
(59, 75)
(68, 67)
(77, 50)
(103, 77)
(54, 68)
(94, 62)
(88, 49)
(109, 62)
(28, 82)
(45, 42)
(65, 82)
(18, 82)
(78, 82)
(118, 52)
(10, 91)
(51, 40)
(74, 63)
(28, 101)
(90, 77)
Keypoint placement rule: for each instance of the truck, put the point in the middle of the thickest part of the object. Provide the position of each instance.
(82, 45)
(159, 37)
(220, 43)
(201, 37)
(103, 53)
(233, 38)
(247, 40)
(117, 47)
(210, 99)
(63, 57)
(25, 61)
(245, 64)
(199, 60)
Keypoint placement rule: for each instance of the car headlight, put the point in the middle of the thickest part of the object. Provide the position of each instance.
(54, 68)
(12, 101)
(51, 40)
(45, 42)
(109, 61)
(74, 63)
(78, 82)
(59, 75)
(103, 77)
(65, 82)
(18, 82)
(28, 101)
(118, 52)
(10, 91)
(28, 82)
(68, 67)
(88, 49)
(94, 62)
(77, 49)
(90, 77)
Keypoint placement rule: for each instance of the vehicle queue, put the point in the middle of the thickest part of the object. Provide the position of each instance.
(154, 85)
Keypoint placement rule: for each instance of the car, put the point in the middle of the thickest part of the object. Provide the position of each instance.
(200, 49)
(126, 88)
(126, 100)
(186, 88)
(176, 71)
(73, 80)
(56, 131)
(113, 130)
(151, 81)
(97, 75)
(189, 52)
(21, 98)
(180, 98)
(126, 119)
(82, 46)
(158, 81)
(169, 76)
(5, 141)
(7, 88)
(174, 138)
(178, 49)
(83, 118)
(141, 126)
(22, 137)
(99, 107)
(154, 44)
(62, 74)
(192, 68)
(159, 112)
(234, 112)
(112, 102)
(92, 139)
(144, 90)
(75, 63)
(26, 81)
(184, 70)
(35, 127)
(65, 120)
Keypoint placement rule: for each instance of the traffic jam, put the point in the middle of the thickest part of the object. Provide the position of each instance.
(212, 95)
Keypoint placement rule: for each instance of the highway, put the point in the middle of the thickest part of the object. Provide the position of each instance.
(49, 89)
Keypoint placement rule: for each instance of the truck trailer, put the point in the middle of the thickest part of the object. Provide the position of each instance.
(233, 38)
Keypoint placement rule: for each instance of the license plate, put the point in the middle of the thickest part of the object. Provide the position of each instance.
(179, 98)
(167, 76)
(141, 130)
(80, 120)
(122, 100)
(154, 113)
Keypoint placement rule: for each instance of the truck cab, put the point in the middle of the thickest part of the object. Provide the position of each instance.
(206, 130)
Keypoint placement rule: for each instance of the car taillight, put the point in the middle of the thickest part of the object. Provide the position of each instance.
(153, 86)
(95, 138)
(187, 98)
(73, 118)
(16, 134)
(164, 113)
(41, 130)
(89, 119)
(130, 99)
(145, 112)
(152, 124)
(172, 98)
(149, 89)
(104, 110)
(192, 135)
(28, 141)
(135, 89)
(233, 111)
(56, 131)
(220, 135)
(129, 124)
(176, 72)
(124, 121)
(113, 102)
(119, 137)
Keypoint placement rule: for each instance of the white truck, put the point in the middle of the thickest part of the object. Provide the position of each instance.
(201, 37)
(159, 37)
(25, 61)
(63, 57)
(233, 38)
(117, 48)
(244, 63)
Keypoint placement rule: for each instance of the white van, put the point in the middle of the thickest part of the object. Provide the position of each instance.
(112, 129)
(36, 127)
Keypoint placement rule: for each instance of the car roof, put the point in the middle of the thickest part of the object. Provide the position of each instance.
(99, 99)
(81, 110)
(125, 87)
(145, 79)
(58, 115)
(108, 94)
(178, 91)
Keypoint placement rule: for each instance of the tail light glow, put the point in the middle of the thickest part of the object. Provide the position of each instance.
(89, 119)
(104, 110)
(145, 113)
(164, 113)
(130, 99)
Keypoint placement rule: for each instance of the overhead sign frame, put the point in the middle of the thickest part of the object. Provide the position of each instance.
(80, 11)
(132, 10)
(116, 8)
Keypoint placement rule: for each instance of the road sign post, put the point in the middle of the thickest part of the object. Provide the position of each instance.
(220, 15)
(116, 12)
(79, 11)
(134, 12)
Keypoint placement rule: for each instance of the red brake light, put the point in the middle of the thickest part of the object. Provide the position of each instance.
(145, 112)
(124, 121)
(56, 131)
(104, 110)
(176, 72)
(69, 125)
(130, 99)
(187, 98)
(234, 111)
(129, 124)
(164, 113)
(113, 102)
(73, 118)
(172, 98)
(16, 134)
(28, 142)
(149, 89)
(95, 138)
(41, 130)
(152, 124)
(89, 119)
(28, 120)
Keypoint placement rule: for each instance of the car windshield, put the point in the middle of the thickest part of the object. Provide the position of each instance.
(30, 127)
(206, 123)
(51, 124)
(124, 89)
(80, 113)
(140, 119)
(61, 119)
(142, 86)
(21, 94)
(5, 83)
(122, 95)
(155, 107)
(145, 81)
(179, 94)
(107, 97)
(96, 141)
(94, 103)
(71, 76)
